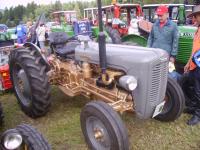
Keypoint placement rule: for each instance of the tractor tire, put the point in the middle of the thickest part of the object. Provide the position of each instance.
(30, 81)
(175, 102)
(1, 115)
(103, 128)
(114, 35)
(32, 138)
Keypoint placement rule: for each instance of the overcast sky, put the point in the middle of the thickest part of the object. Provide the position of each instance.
(9, 3)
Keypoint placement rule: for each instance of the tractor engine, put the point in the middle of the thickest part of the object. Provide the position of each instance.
(81, 78)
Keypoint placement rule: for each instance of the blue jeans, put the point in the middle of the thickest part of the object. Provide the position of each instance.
(175, 75)
(21, 40)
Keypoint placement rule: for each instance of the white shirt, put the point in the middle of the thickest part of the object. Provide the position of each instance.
(40, 31)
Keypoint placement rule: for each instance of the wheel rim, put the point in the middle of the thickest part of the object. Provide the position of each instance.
(21, 85)
(168, 103)
(98, 134)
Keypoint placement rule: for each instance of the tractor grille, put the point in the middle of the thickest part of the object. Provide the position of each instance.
(158, 82)
(184, 51)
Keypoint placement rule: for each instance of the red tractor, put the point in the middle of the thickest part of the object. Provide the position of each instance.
(5, 47)
(5, 82)
(121, 20)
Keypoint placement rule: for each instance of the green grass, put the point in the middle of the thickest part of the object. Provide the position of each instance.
(61, 126)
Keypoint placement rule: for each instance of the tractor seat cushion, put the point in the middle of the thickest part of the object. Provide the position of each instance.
(58, 38)
(66, 49)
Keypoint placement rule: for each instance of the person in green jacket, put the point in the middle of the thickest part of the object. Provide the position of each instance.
(164, 34)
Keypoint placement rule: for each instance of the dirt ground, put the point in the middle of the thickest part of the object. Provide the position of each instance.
(61, 126)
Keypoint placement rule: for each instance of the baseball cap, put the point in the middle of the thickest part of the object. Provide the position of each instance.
(161, 10)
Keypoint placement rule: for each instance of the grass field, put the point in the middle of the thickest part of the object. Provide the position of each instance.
(61, 126)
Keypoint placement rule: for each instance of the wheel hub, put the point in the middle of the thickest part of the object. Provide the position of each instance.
(23, 82)
(21, 85)
(98, 134)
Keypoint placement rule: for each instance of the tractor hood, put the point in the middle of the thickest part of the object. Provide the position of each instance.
(122, 57)
(187, 31)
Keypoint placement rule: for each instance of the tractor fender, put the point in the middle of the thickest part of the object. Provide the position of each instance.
(35, 47)
(134, 38)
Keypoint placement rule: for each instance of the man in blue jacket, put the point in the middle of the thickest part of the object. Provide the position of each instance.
(21, 33)
(164, 33)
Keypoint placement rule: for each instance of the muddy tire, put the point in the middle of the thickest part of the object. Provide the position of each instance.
(175, 102)
(103, 128)
(30, 81)
(114, 35)
(32, 138)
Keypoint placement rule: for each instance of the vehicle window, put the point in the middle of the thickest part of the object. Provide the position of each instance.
(133, 13)
(146, 14)
(89, 14)
(174, 14)
(153, 15)
(123, 15)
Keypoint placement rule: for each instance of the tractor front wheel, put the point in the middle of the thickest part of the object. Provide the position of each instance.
(103, 128)
(174, 102)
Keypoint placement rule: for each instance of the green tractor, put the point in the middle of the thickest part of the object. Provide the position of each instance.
(66, 21)
(91, 14)
(178, 13)
(7, 33)
(63, 22)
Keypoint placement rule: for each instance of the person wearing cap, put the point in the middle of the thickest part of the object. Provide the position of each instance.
(164, 33)
(194, 71)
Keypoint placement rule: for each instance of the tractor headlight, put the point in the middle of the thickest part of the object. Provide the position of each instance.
(12, 139)
(128, 82)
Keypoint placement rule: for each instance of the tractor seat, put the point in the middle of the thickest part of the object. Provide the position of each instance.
(67, 49)
(58, 38)
(61, 44)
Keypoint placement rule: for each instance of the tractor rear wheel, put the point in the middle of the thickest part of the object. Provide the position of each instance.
(103, 128)
(114, 35)
(32, 139)
(30, 81)
(175, 102)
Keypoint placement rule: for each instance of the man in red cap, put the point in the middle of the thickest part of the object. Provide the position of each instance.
(194, 71)
(164, 33)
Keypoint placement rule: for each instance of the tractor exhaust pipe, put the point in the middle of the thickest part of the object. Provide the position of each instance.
(102, 41)
(104, 79)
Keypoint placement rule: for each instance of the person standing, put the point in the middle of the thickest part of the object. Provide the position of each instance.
(164, 33)
(29, 25)
(194, 71)
(40, 31)
(21, 33)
